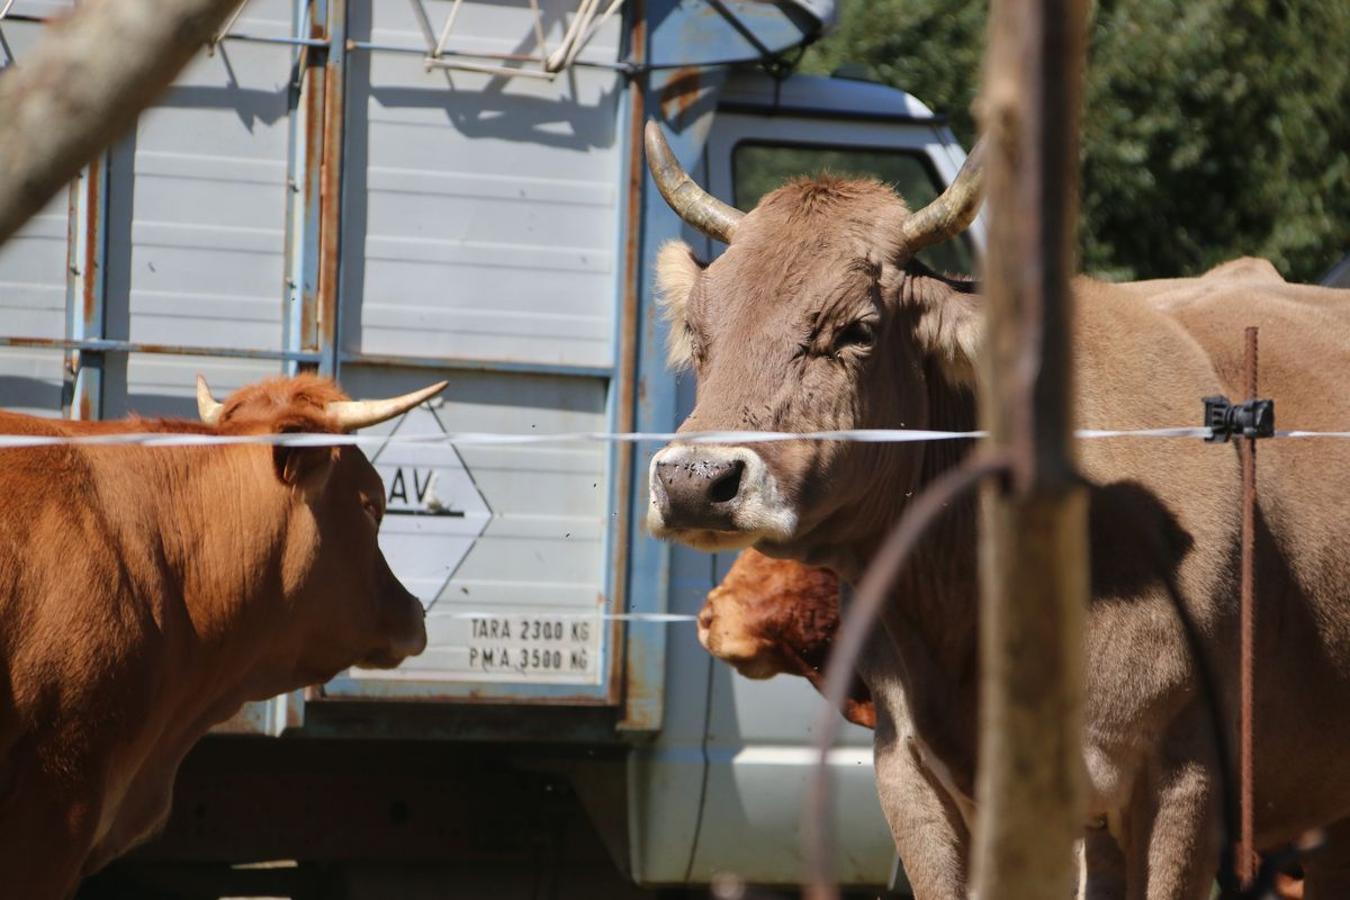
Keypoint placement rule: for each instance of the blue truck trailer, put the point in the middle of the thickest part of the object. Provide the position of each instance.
(397, 192)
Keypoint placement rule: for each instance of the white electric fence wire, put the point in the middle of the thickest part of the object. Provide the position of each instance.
(488, 438)
(459, 439)
(554, 614)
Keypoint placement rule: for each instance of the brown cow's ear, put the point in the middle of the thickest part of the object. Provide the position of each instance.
(951, 329)
(306, 468)
(676, 273)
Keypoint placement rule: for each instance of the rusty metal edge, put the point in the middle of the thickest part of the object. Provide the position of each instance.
(623, 673)
(86, 261)
(105, 345)
(303, 185)
(329, 336)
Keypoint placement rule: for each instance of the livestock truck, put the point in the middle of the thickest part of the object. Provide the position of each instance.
(397, 192)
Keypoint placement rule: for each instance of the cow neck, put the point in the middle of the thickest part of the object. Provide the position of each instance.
(931, 615)
(936, 593)
(210, 533)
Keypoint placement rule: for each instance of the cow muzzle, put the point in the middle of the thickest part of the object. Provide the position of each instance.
(716, 498)
(402, 626)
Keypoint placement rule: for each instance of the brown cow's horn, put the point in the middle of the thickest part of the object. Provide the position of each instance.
(693, 204)
(952, 212)
(350, 415)
(208, 408)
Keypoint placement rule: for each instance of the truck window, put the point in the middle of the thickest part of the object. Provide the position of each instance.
(757, 168)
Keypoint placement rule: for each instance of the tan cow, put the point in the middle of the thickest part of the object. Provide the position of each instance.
(818, 316)
(147, 593)
(778, 617)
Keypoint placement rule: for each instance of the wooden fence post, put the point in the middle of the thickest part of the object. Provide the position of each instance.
(1033, 553)
(84, 85)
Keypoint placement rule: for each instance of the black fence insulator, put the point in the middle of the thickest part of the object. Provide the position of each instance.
(1252, 419)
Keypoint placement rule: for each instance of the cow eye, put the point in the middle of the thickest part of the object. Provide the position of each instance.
(372, 509)
(859, 334)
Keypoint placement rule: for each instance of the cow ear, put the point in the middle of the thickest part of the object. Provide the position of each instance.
(951, 331)
(304, 468)
(676, 273)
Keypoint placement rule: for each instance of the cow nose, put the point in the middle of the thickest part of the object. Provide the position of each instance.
(713, 497)
(705, 617)
(697, 490)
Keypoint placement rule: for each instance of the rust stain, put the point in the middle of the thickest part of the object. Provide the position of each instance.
(620, 666)
(329, 199)
(88, 278)
(309, 178)
(680, 93)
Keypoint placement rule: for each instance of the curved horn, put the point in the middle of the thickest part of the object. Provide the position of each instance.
(350, 415)
(208, 407)
(952, 212)
(693, 204)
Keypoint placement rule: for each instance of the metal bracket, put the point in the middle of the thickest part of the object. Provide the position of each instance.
(225, 29)
(1250, 419)
(8, 55)
(585, 23)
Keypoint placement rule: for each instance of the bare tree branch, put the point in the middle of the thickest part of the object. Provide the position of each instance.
(84, 85)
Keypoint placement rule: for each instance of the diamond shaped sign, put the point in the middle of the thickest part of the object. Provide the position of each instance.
(433, 510)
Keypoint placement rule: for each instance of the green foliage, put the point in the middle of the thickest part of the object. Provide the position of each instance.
(1211, 128)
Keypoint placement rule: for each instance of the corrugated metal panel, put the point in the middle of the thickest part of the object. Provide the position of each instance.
(207, 214)
(197, 228)
(161, 385)
(30, 381)
(542, 549)
(33, 274)
(482, 211)
(480, 226)
(197, 218)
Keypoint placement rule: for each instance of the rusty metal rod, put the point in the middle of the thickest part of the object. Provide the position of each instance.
(622, 67)
(1246, 855)
(238, 36)
(108, 345)
(923, 511)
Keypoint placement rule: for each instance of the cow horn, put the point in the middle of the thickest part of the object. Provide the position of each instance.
(693, 204)
(208, 407)
(953, 211)
(350, 415)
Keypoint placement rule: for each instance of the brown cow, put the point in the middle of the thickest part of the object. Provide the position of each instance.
(147, 593)
(819, 317)
(774, 617)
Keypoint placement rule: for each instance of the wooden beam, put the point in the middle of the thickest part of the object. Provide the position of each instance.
(1034, 527)
(83, 86)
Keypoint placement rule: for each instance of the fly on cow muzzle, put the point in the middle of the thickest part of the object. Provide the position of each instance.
(715, 497)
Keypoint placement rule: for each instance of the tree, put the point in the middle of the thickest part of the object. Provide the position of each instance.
(1211, 128)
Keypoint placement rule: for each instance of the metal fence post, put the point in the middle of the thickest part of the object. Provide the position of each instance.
(1246, 850)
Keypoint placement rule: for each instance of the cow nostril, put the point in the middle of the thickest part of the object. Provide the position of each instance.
(728, 484)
